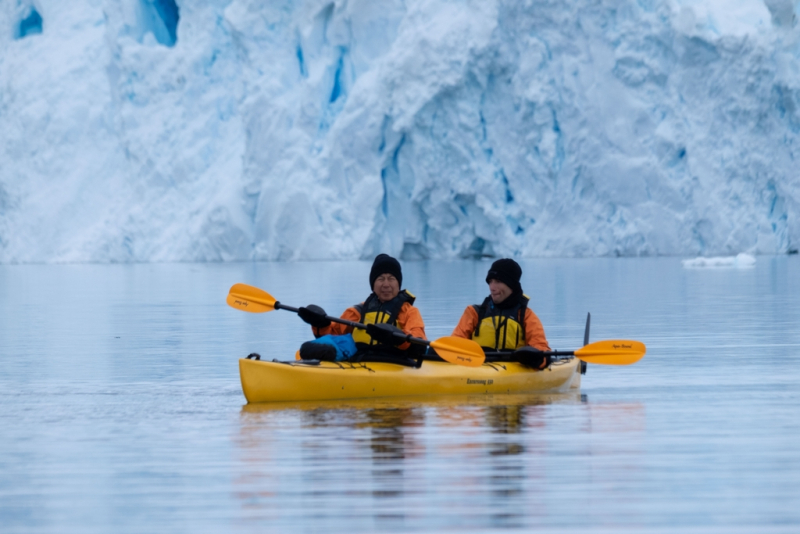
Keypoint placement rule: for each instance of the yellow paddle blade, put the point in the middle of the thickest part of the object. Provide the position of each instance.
(459, 351)
(250, 299)
(612, 352)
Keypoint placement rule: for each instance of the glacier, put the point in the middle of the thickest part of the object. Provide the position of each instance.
(161, 130)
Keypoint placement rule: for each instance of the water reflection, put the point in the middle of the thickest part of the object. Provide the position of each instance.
(392, 450)
(507, 477)
(449, 403)
(391, 443)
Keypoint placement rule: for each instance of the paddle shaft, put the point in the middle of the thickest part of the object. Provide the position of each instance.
(500, 357)
(405, 337)
(412, 339)
(606, 352)
(544, 352)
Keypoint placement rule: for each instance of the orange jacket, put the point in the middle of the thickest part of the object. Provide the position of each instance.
(534, 331)
(409, 321)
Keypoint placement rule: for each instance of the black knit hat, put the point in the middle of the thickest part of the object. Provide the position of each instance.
(507, 271)
(385, 264)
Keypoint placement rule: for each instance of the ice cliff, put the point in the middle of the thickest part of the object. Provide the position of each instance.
(163, 130)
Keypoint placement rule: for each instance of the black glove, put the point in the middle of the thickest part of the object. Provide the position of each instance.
(314, 315)
(533, 357)
(384, 333)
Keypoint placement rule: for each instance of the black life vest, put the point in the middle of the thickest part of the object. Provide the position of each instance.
(500, 328)
(373, 311)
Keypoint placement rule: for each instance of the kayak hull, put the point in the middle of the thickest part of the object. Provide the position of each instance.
(274, 381)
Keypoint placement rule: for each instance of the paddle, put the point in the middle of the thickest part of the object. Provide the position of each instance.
(584, 365)
(455, 350)
(608, 352)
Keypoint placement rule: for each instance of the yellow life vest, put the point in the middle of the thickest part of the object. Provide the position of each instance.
(500, 328)
(373, 311)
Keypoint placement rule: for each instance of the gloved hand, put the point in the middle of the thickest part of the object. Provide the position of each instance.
(384, 333)
(533, 357)
(314, 315)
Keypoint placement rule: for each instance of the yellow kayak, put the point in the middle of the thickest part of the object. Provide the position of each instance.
(264, 381)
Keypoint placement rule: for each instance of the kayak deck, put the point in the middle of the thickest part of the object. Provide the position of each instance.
(274, 381)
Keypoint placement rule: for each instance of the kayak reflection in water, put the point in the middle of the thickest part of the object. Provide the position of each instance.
(504, 322)
(386, 311)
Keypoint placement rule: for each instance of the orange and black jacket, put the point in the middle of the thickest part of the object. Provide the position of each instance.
(501, 327)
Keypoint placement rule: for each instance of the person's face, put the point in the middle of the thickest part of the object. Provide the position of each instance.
(386, 287)
(499, 291)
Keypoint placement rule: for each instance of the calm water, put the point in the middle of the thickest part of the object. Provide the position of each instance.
(121, 408)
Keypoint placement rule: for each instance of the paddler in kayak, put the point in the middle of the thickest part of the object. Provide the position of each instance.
(504, 322)
(386, 310)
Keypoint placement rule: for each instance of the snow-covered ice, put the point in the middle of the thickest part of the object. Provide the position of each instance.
(150, 130)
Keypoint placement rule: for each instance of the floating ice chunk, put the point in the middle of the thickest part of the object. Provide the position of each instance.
(740, 261)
